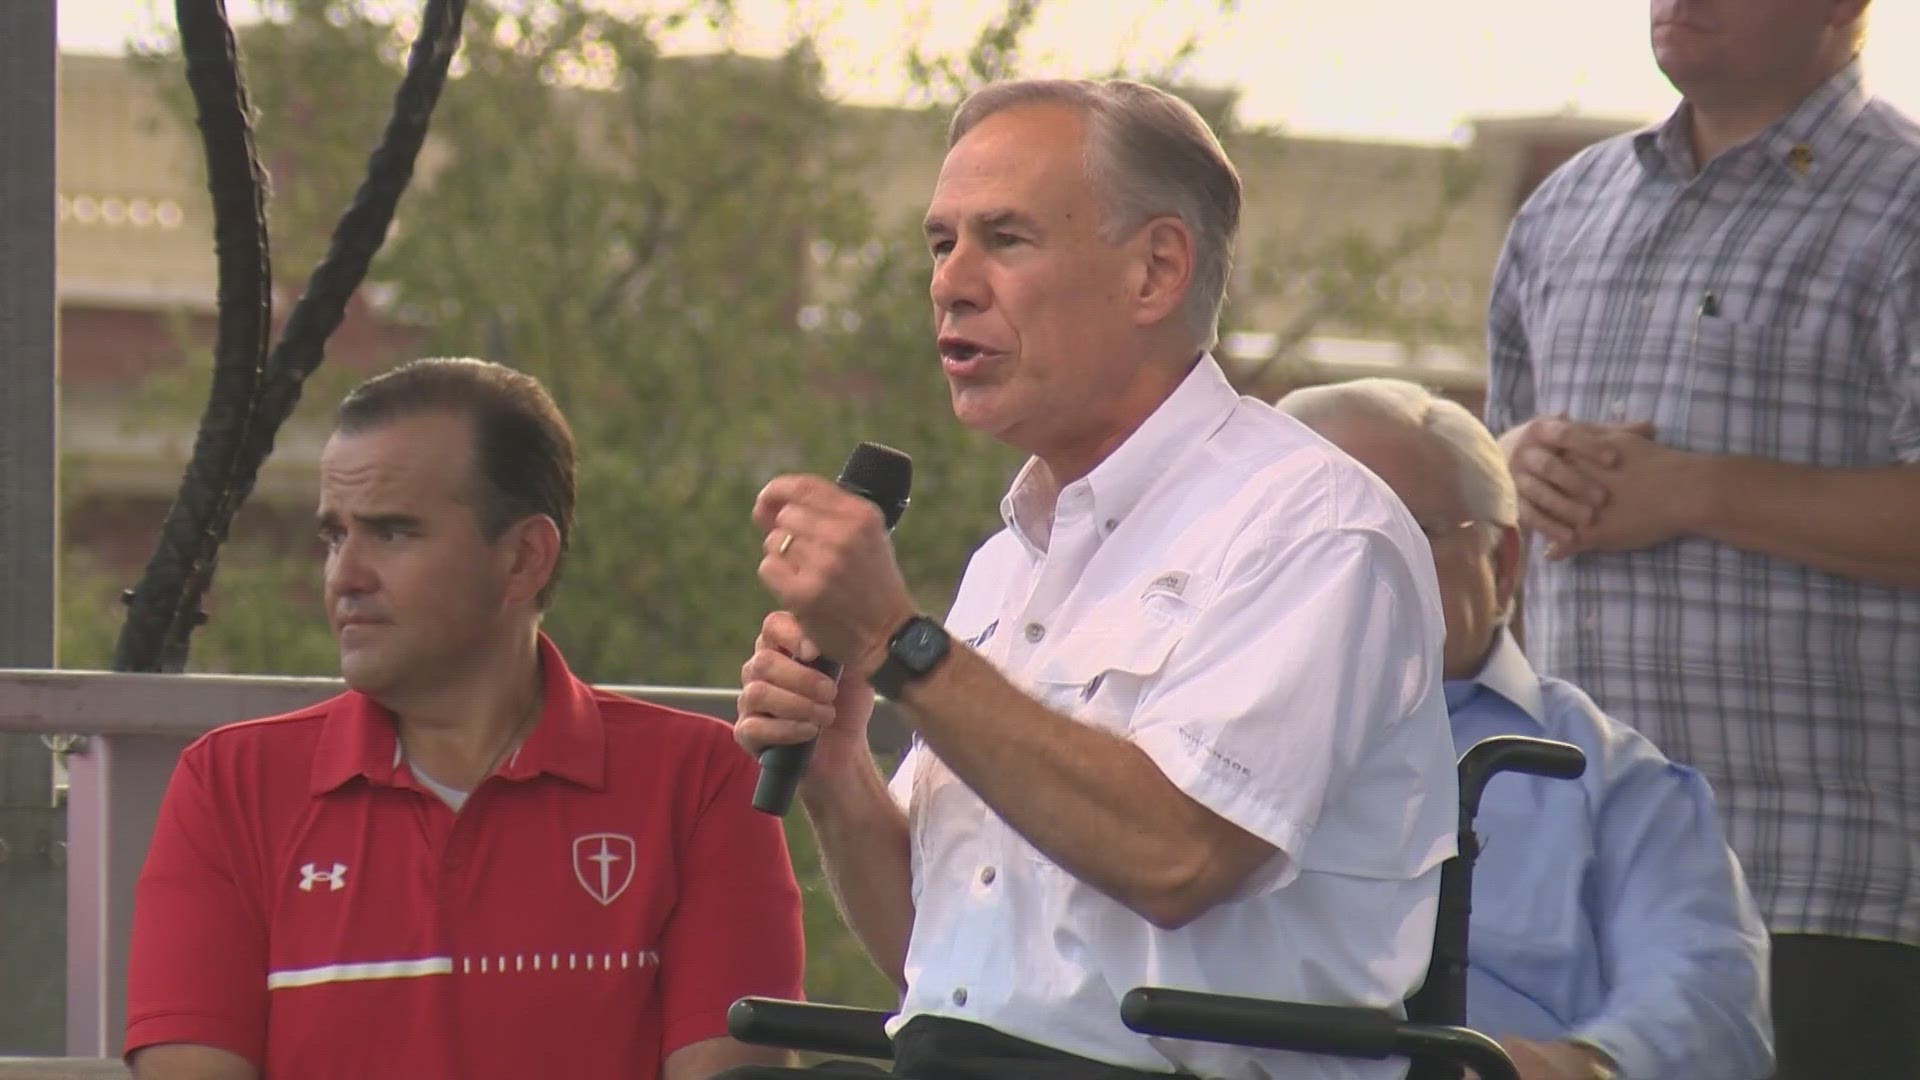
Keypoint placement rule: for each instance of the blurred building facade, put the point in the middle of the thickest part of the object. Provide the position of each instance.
(136, 274)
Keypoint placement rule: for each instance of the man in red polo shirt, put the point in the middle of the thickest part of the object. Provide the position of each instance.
(472, 864)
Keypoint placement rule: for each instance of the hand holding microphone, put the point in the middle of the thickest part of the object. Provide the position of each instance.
(830, 564)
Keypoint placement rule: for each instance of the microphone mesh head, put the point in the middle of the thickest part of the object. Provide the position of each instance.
(881, 474)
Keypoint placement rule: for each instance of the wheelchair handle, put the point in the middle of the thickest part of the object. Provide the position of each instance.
(803, 1025)
(1309, 1029)
(1514, 753)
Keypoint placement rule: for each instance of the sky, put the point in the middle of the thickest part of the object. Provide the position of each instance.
(1373, 69)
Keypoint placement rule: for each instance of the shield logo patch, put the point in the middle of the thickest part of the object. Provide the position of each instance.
(603, 863)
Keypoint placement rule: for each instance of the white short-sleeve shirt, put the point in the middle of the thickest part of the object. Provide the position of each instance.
(1259, 614)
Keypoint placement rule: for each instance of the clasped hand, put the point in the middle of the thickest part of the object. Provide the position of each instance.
(1599, 487)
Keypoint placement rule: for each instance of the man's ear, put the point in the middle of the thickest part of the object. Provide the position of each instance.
(1166, 271)
(533, 547)
(1509, 559)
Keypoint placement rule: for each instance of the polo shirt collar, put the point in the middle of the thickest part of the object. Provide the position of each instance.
(1800, 142)
(570, 740)
(1508, 673)
(1194, 411)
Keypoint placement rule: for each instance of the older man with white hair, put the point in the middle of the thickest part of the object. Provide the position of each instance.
(1612, 930)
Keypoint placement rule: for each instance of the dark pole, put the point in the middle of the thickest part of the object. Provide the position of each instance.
(32, 886)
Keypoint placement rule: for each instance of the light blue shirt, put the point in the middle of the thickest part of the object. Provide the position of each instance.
(1608, 909)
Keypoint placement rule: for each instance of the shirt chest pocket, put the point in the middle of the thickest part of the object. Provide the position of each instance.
(1100, 672)
(1785, 393)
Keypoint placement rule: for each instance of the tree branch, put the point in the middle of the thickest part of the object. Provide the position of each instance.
(164, 608)
(248, 404)
(363, 228)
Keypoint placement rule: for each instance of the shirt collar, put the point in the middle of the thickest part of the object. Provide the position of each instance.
(569, 741)
(1195, 409)
(1665, 147)
(1507, 673)
(1810, 137)
(1800, 142)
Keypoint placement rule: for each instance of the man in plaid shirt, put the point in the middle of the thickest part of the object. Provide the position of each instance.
(1705, 368)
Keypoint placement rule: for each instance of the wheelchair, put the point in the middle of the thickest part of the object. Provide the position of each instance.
(1432, 1035)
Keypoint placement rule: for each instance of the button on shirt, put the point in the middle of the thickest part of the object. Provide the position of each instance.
(1768, 306)
(1607, 908)
(1263, 621)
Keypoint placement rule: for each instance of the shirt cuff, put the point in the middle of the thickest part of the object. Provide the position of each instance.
(1245, 805)
(228, 1035)
(1632, 1055)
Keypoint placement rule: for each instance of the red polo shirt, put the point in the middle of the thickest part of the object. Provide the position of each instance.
(597, 904)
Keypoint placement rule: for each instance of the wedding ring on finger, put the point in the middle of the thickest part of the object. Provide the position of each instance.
(785, 543)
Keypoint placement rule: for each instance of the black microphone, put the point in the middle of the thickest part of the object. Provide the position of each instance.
(883, 476)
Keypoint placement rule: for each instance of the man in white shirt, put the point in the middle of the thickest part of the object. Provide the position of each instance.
(1183, 723)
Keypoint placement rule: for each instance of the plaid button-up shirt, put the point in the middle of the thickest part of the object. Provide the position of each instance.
(1767, 306)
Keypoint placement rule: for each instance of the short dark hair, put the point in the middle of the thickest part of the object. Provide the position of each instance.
(523, 447)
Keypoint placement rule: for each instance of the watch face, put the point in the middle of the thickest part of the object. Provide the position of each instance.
(920, 644)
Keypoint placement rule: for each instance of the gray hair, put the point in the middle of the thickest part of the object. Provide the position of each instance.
(1480, 469)
(1149, 155)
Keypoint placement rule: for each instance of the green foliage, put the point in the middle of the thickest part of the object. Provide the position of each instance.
(631, 229)
(159, 403)
(264, 615)
(995, 55)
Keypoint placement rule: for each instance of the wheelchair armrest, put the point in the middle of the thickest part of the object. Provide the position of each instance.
(803, 1025)
(1309, 1029)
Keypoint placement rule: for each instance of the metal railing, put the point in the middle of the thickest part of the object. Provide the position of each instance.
(120, 735)
(44, 1068)
(89, 703)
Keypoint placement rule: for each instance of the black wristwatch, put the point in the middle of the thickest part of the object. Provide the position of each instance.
(912, 653)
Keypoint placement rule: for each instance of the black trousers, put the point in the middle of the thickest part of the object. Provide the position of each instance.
(939, 1048)
(1845, 1008)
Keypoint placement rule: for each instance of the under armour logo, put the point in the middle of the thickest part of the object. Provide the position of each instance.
(335, 878)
